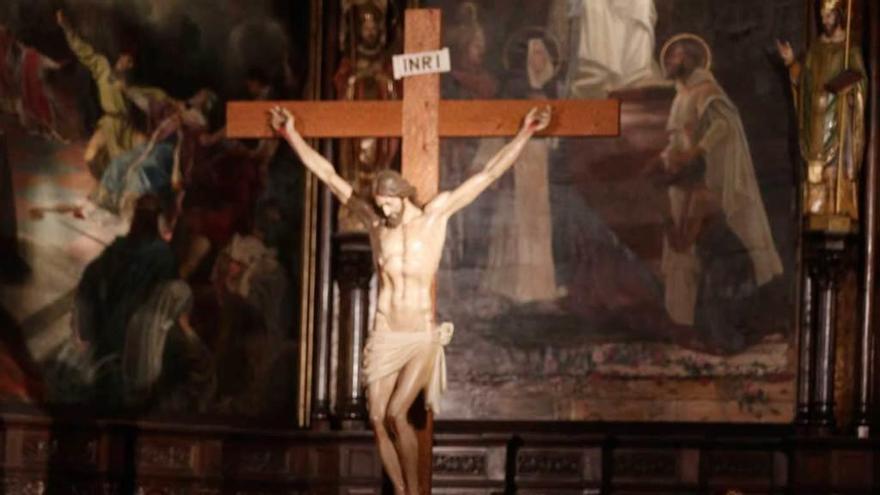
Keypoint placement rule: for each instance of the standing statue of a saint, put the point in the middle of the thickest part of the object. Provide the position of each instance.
(829, 86)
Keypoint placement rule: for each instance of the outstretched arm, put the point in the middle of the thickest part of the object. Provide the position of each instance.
(283, 123)
(448, 203)
(142, 96)
(97, 64)
(49, 63)
(794, 68)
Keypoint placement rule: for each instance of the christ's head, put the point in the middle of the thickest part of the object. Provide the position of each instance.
(391, 193)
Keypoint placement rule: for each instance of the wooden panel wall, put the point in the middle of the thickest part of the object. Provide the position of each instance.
(40, 456)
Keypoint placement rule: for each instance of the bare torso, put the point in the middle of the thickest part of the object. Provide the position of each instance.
(406, 259)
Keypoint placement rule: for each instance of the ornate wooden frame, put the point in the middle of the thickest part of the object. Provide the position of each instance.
(84, 455)
(836, 271)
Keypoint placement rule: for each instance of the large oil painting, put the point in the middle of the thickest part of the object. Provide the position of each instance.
(649, 277)
(156, 266)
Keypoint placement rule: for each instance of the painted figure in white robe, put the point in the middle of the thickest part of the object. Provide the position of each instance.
(520, 262)
(718, 245)
(469, 79)
(146, 334)
(610, 44)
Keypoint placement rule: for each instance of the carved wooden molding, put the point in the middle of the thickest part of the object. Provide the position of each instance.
(171, 488)
(755, 467)
(71, 450)
(38, 449)
(470, 464)
(23, 486)
(455, 465)
(166, 456)
(661, 465)
(264, 461)
(361, 463)
(288, 492)
(546, 463)
(464, 491)
(160, 489)
(671, 458)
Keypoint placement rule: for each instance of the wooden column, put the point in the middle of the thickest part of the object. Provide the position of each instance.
(823, 386)
(827, 258)
(806, 356)
(354, 262)
(325, 59)
(320, 414)
(867, 340)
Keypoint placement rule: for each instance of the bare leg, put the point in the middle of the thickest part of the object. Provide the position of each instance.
(412, 380)
(127, 204)
(96, 143)
(94, 154)
(378, 395)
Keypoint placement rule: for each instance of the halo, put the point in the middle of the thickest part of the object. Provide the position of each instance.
(829, 5)
(683, 37)
(525, 34)
(347, 34)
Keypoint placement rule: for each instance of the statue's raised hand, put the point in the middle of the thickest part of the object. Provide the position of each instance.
(282, 121)
(537, 119)
(786, 52)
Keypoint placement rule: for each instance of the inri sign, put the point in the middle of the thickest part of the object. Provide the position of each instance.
(414, 64)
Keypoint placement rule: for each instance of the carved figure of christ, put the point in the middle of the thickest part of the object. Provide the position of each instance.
(407, 240)
(404, 353)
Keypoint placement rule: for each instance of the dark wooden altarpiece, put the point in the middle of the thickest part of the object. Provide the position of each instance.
(332, 452)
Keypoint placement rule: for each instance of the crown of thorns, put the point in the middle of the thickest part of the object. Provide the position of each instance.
(391, 183)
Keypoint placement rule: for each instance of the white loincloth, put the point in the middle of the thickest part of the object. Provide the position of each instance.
(388, 352)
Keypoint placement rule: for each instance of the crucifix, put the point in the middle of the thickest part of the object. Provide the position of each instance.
(420, 119)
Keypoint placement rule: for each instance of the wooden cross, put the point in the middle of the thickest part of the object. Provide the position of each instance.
(421, 119)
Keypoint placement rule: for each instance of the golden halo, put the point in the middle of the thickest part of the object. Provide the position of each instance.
(829, 5)
(526, 33)
(682, 37)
